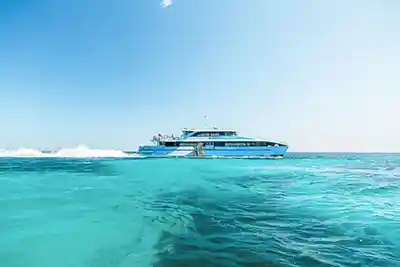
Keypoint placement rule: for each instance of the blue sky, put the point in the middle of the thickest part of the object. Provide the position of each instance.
(319, 75)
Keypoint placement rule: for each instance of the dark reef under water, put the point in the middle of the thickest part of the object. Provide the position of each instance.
(239, 233)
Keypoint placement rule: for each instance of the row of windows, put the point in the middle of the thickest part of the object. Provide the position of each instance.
(211, 134)
(221, 144)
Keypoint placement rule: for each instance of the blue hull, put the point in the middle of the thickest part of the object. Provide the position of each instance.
(278, 151)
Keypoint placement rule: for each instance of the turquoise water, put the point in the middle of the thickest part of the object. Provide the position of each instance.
(305, 210)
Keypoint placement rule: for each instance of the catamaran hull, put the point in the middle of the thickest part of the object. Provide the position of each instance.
(278, 151)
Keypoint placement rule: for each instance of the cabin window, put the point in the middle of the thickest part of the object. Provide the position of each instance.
(246, 144)
(219, 144)
(211, 134)
(184, 144)
(236, 144)
(169, 144)
(205, 134)
(230, 133)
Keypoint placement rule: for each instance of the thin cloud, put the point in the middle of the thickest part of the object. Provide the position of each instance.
(166, 3)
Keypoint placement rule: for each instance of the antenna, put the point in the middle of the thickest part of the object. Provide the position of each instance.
(212, 126)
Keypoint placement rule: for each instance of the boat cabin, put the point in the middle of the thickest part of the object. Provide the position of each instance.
(225, 138)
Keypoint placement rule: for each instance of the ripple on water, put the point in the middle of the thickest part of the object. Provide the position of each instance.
(306, 210)
(302, 223)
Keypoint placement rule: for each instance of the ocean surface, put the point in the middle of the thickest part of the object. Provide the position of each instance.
(311, 210)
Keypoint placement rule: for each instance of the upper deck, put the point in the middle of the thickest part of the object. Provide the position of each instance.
(198, 133)
(207, 135)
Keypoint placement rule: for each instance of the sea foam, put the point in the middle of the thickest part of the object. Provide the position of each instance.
(77, 152)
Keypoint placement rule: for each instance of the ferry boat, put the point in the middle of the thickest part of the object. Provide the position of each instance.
(211, 143)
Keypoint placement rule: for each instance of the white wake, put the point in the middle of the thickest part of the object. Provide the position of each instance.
(77, 152)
